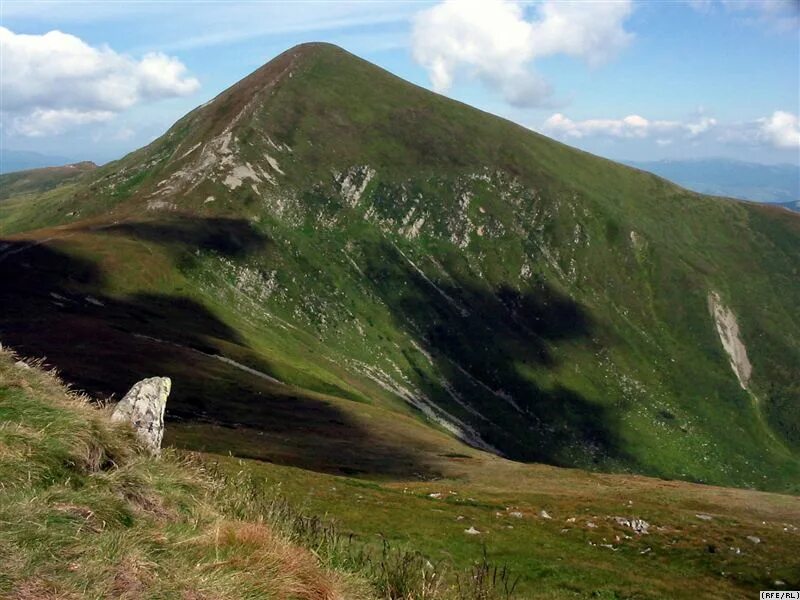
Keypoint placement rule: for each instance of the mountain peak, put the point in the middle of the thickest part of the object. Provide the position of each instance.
(308, 48)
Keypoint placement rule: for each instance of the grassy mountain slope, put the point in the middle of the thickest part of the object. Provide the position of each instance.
(85, 515)
(357, 244)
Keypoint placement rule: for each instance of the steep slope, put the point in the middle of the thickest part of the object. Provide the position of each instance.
(85, 514)
(340, 237)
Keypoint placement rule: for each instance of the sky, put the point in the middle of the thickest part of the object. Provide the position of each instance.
(626, 80)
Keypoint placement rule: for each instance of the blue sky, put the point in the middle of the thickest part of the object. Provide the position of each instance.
(626, 80)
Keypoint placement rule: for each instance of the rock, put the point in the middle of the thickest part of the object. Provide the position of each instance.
(545, 515)
(754, 539)
(22, 365)
(471, 531)
(728, 330)
(516, 514)
(638, 525)
(703, 517)
(143, 407)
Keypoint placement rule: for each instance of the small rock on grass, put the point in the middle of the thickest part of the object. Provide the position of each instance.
(143, 407)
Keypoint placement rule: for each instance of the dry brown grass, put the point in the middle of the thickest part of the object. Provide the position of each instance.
(35, 589)
(272, 565)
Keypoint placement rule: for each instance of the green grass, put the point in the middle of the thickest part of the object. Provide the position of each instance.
(681, 556)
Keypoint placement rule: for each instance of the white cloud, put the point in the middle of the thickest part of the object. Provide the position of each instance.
(630, 127)
(56, 81)
(775, 15)
(493, 41)
(781, 129)
(48, 121)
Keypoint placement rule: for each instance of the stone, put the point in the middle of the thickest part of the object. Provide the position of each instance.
(755, 539)
(545, 515)
(704, 517)
(638, 525)
(471, 531)
(143, 407)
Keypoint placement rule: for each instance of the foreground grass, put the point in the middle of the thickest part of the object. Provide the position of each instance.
(84, 513)
(702, 541)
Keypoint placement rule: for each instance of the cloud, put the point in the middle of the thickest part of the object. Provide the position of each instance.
(630, 127)
(54, 82)
(774, 15)
(42, 122)
(493, 41)
(781, 129)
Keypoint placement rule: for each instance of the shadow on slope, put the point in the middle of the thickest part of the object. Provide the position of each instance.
(488, 343)
(234, 238)
(53, 305)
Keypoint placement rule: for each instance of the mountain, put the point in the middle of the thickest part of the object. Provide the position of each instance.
(37, 181)
(21, 160)
(335, 266)
(731, 178)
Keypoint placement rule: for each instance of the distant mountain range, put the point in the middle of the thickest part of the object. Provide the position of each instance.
(778, 184)
(20, 160)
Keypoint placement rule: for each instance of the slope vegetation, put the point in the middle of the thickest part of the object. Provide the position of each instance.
(324, 241)
(84, 514)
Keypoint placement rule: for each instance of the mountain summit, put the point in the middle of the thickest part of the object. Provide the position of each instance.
(335, 266)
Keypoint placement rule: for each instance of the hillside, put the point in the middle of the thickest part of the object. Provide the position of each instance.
(41, 180)
(86, 513)
(334, 265)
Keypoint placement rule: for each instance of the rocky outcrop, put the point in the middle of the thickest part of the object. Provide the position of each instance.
(143, 407)
(728, 330)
